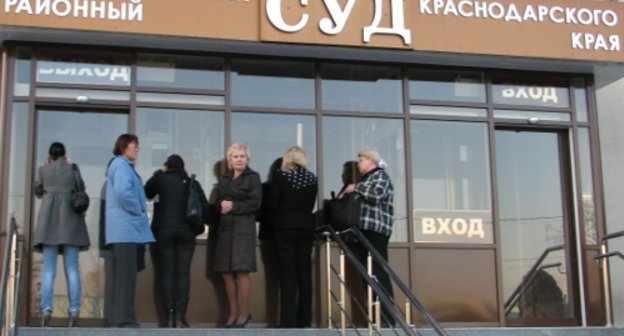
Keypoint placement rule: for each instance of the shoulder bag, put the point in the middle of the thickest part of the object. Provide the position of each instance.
(344, 213)
(79, 198)
(196, 206)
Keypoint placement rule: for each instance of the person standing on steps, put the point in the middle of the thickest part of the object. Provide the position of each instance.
(239, 196)
(59, 229)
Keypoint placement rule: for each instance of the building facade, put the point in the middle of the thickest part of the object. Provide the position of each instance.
(500, 122)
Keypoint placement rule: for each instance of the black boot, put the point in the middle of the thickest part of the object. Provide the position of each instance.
(171, 316)
(45, 319)
(73, 320)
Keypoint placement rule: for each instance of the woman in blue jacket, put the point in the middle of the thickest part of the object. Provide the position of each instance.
(127, 227)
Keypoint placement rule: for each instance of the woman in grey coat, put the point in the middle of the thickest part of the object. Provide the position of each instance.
(239, 197)
(59, 230)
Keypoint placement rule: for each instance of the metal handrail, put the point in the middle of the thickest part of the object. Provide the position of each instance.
(6, 274)
(530, 274)
(381, 293)
(604, 265)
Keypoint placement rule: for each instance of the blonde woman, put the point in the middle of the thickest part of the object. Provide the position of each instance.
(292, 195)
(239, 195)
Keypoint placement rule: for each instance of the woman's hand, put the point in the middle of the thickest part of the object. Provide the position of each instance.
(226, 207)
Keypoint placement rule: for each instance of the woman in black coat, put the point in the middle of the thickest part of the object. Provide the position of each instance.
(239, 196)
(175, 239)
(292, 195)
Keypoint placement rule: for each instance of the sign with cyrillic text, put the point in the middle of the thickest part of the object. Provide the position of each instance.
(552, 29)
(460, 226)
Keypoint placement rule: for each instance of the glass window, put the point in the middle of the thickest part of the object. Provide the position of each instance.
(447, 85)
(361, 88)
(344, 138)
(450, 181)
(22, 72)
(526, 115)
(197, 136)
(587, 187)
(580, 99)
(181, 72)
(448, 111)
(279, 84)
(523, 89)
(172, 98)
(266, 146)
(56, 93)
(17, 163)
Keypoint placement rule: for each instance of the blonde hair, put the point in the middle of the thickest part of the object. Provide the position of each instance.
(371, 154)
(234, 147)
(294, 156)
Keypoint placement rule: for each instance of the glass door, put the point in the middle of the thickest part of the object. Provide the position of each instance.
(535, 227)
(88, 137)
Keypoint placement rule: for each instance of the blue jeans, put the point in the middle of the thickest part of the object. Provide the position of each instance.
(70, 259)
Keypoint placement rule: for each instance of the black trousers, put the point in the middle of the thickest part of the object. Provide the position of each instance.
(175, 252)
(380, 243)
(125, 268)
(294, 250)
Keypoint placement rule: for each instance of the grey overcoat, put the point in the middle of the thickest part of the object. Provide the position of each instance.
(236, 240)
(57, 222)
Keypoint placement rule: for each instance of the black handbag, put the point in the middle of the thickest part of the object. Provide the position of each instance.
(79, 198)
(344, 213)
(196, 206)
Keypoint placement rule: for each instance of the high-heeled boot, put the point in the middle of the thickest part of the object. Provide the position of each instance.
(45, 318)
(73, 320)
(171, 318)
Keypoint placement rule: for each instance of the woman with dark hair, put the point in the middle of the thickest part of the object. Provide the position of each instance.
(60, 229)
(175, 239)
(127, 227)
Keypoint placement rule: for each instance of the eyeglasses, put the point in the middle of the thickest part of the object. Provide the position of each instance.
(134, 145)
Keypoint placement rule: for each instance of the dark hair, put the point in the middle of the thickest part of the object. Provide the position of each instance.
(123, 141)
(175, 163)
(56, 150)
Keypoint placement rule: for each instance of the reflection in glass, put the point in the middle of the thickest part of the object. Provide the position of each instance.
(280, 84)
(526, 115)
(450, 167)
(530, 94)
(447, 85)
(587, 187)
(580, 99)
(531, 221)
(172, 98)
(118, 96)
(448, 111)
(174, 71)
(344, 138)
(17, 163)
(89, 139)
(21, 81)
(359, 88)
(269, 135)
(450, 172)
(197, 136)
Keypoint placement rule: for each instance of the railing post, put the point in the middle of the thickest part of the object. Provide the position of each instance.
(408, 313)
(369, 294)
(343, 320)
(328, 272)
(604, 263)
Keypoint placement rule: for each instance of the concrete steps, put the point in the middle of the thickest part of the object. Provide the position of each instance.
(592, 331)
